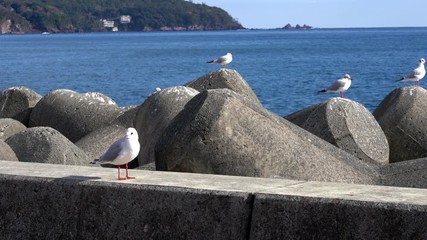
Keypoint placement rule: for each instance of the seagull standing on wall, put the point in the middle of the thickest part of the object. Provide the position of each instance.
(122, 152)
(417, 74)
(341, 85)
(224, 60)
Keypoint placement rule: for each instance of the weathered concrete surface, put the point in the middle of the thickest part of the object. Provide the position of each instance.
(127, 118)
(9, 127)
(47, 145)
(220, 132)
(155, 114)
(100, 97)
(97, 142)
(224, 78)
(6, 152)
(17, 103)
(318, 211)
(80, 206)
(402, 116)
(411, 173)
(76, 202)
(347, 125)
(72, 113)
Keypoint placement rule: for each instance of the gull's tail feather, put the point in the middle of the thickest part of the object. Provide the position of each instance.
(96, 161)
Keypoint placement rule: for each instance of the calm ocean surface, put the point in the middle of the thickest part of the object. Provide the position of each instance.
(284, 68)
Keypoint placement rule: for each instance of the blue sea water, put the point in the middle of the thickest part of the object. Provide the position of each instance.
(284, 68)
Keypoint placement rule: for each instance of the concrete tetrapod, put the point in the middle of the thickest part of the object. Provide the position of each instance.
(72, 113)
(403, 115)
(46, 145)
(155, 114)
(17, 103)
(6, 152)
(95, 143)
(224, 78)
(9, 127)
(347, 125)
(220, 132)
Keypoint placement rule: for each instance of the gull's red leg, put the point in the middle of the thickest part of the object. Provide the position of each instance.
(118, 173)
(127, 174)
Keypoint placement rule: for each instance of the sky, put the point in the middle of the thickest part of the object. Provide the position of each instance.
(325, 13)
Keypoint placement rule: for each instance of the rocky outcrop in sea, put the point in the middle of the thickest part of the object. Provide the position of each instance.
(296, 27)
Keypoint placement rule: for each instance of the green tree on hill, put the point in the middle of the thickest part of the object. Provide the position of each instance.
(86, 15)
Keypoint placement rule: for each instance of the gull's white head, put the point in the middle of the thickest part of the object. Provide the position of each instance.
(228, 59)
(347, 76)
(422, 61)
(131, 133)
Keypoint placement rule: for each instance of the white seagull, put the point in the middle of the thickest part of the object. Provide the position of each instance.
(417, 74)
(224, 60)
(339, 85)
(122, 152)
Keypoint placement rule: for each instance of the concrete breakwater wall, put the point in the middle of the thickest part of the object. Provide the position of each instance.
(216, 125)
(48, 201)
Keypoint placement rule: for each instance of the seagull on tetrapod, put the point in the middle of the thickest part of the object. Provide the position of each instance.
(223, 60)
(341, 85)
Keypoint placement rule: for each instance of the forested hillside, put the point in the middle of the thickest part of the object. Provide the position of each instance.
(105, 15)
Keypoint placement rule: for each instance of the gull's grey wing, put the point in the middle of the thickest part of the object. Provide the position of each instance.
(221, 59)
(413, 74)
(113, 151)
(417, 72)
(340, 83)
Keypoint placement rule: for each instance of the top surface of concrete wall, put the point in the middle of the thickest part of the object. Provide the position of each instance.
(328, 190)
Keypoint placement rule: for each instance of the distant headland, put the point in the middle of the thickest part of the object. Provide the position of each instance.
(64, 16)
